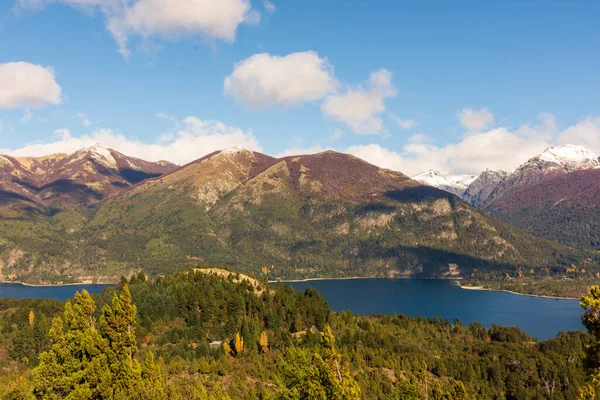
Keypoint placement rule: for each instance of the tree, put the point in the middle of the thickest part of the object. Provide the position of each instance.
(76, 366)
(324, 378)
(263, 341)
(31, 318)
(89, 363)
(591, 320)
(238, 344)
(117, 323)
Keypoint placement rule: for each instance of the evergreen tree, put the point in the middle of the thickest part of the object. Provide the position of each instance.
(76, 367)
(117, 323)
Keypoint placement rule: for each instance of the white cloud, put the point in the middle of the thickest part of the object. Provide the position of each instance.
(270, 7)
(475, 120)
(403, 123)
(296, 151)
(192, 139)
(360, 108)
(217, 19)
(24, 85)
(585, 133)
(264, 80)
(85, 121)
(337, 134)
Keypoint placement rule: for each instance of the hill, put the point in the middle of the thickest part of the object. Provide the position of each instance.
(323, 215)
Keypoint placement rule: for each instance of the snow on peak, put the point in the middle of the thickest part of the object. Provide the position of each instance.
(569, 156)
(100, 154)
(458, 183)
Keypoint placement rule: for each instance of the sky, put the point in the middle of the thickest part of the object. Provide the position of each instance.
(455, 86)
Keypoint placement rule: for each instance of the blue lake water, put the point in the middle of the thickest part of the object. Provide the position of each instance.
(540, 317)
(18, 291)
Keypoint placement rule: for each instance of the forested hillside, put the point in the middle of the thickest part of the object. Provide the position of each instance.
(323, 215)
(197, 335)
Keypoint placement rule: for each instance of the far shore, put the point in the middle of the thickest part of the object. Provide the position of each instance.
(520, 294)
(54, 284)
(410, 277)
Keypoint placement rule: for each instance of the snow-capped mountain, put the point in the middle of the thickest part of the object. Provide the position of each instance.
(552, 162)
(567, 157)
(455, 184)
(85, 176)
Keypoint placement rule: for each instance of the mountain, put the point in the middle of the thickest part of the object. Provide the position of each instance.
(553, 195)
(82, 178)
(455, 184)
(563, 208)
(553, 162)
(323, 215)
(481, 188)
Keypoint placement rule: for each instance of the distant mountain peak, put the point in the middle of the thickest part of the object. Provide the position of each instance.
(100, 154)
(568, 155)
(456, 184)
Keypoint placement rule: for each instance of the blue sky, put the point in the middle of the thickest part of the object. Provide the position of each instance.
(456, 86)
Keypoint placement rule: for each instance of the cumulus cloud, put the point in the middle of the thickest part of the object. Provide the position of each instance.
(265, 80)
(585, 133)
(360, 108)
(475, 120)
(190, 140)
(498, 148)
(217, 19)
(25, 85)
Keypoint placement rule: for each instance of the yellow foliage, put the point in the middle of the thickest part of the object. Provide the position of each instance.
(31, 317)
(239, 344)
(264, 341)
(227, 348)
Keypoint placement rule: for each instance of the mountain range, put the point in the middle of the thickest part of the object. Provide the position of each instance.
(555, 194)
(96, 214)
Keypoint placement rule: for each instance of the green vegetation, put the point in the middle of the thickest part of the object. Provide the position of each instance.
(195, 335)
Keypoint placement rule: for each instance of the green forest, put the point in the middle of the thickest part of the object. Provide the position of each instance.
(201, 335)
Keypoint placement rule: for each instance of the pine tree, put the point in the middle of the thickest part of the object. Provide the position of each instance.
(76, 367)
(117, 323)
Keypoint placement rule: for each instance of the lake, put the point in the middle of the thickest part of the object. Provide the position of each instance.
(540, 317)
(18, 291)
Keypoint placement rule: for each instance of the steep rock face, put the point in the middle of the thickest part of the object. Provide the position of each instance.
(455, 184)
(481, 188)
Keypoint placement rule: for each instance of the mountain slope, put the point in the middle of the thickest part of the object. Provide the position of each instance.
(565, 208)
(320, 215)
(553, 162)
(323, 215)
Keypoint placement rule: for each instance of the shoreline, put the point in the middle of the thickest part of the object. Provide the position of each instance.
(480, 288)
(55, 284)
(517, 293)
